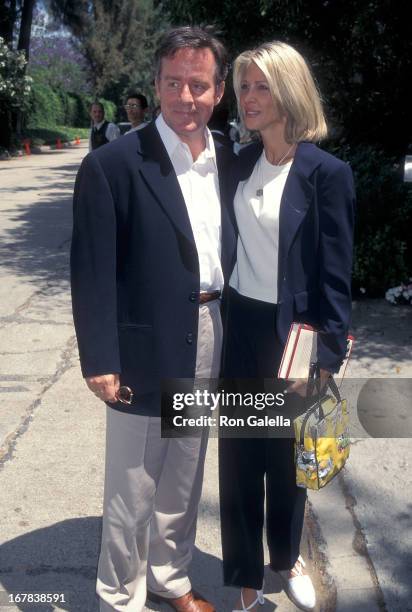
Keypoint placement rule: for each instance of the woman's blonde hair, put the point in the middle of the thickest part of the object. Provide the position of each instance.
(292, 87)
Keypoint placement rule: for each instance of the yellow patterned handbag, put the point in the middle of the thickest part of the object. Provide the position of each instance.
(321, 436)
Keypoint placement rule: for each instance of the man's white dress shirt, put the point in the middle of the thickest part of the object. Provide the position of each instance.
(138, 127)
(199, 183)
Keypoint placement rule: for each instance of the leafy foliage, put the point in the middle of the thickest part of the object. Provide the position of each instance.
(50, 107)
(14, 89)
(117, 39)
(14, 84)
(361, 53)
(8, 16)
(61, 92)
(55, 61)
(383, 245)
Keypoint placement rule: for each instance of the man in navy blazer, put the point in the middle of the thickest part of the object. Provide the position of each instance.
(153, 241)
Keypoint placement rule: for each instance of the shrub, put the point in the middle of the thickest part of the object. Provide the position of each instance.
(70, 110)
(383, 250)
(110, 109)
(50, 107)
(14, 90)
(46, 106)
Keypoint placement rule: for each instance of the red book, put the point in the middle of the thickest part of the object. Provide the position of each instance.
(301, 350)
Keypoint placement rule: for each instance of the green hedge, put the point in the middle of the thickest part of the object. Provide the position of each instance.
(50, 107)
(383, 237)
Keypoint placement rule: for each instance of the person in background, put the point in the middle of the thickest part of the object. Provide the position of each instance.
(294, 208)
(136, 107)
(101, 131)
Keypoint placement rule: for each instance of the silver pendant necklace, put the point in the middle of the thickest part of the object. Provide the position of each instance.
(259, 192)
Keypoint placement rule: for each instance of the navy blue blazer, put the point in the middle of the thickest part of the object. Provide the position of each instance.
(134, 265)
(315, 247)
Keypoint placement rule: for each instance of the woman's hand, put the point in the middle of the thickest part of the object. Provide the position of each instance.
(300, 386)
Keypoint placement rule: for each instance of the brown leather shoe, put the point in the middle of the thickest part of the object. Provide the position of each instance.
(191, 602)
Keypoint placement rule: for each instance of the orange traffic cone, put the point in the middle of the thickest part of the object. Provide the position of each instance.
(26, 144)
(59, 144)
(77, 141)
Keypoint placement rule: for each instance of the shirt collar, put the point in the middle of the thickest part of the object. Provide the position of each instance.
(172, 141)
(98, 125)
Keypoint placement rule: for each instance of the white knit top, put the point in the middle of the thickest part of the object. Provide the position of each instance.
(257, 205)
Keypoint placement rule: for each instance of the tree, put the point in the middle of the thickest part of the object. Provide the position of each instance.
(361, 52)
(55, 61)
(14, 89)
(25, 26)
(117, 38)
(8, 16)
(15, 15)
(16, 18)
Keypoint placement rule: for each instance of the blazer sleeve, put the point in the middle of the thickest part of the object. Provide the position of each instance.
(93, 271)
(336, 201)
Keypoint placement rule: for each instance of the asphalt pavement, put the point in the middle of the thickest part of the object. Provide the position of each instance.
(357, 537)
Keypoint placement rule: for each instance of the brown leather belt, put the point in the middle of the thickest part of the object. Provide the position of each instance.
(208, 297)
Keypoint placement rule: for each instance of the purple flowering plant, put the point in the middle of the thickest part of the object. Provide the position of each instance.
(55, 61)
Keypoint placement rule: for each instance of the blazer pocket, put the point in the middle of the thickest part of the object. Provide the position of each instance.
(308, 302)
(134, 326)
(301, 301)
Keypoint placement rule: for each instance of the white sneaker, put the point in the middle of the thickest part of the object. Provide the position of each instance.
(299, 587)
(259, 600)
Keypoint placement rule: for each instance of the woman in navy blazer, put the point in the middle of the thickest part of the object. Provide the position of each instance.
(294, 208)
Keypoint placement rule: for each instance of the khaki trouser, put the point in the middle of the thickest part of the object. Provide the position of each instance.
(151, 497)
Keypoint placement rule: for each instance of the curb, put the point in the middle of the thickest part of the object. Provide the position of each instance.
(325, 586)
(348, 577)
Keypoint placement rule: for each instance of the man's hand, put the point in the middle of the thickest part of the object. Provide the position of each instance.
(299, 386)
(104, 387)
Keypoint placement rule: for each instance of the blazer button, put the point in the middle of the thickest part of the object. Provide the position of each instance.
(189, 338)
(193, 297)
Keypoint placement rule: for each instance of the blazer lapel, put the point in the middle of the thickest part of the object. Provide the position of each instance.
(296, 198)
(159, 175)
(225, 160)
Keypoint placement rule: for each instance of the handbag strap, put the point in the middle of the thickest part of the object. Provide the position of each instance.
(334, 388)
(314, 381)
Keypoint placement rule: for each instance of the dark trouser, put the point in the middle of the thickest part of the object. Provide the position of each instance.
(253, 351)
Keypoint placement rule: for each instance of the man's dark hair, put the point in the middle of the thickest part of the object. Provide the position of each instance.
(192, 37)
(96, 103)
(138, 96)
